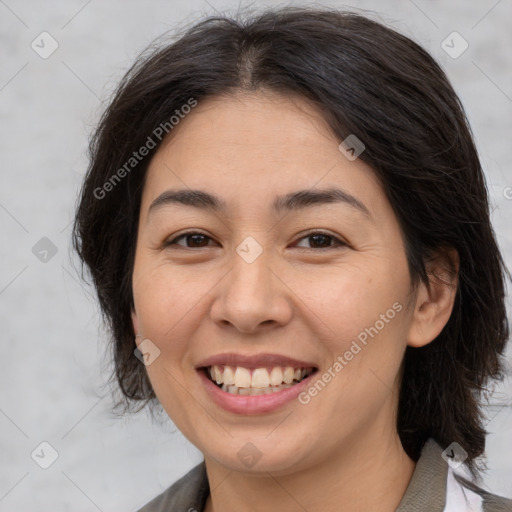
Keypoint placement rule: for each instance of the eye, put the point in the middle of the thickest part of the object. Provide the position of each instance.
(196, 239)
(319, 238)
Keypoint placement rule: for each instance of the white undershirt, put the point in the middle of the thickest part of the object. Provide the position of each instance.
(460, 499)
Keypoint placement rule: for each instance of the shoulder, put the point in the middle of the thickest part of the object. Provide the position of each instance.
(188, 494)
(436, 486)
(462, 489)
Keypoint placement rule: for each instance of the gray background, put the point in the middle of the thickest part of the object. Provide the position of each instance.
(53, 356)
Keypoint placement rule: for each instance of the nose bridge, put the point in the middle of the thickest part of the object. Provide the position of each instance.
(251, 294)
(251, 275)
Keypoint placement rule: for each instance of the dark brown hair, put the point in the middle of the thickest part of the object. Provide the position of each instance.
(367, 80)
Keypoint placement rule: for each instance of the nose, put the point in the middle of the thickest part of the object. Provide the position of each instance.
(252, 297)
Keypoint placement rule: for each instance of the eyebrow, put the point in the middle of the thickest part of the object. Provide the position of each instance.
(290, 202)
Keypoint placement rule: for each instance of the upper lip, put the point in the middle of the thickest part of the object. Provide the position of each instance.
(254, 361)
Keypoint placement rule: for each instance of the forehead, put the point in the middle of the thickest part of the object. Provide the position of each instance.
(250, 148)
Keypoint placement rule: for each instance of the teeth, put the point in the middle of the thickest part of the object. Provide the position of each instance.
(242, 377)
(260, 378)
(217, 375)
(240, 380)
(254, 391)
(288, 375)
(276, 376)
(229, 376)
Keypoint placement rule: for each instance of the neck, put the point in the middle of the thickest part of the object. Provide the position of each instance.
(368, 474)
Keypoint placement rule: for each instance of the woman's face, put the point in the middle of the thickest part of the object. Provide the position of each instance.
(265, 281)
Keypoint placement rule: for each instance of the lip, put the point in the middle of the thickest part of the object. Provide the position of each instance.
(254, 361)
(252, 405)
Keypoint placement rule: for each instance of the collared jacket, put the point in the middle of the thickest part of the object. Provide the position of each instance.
(434, 487)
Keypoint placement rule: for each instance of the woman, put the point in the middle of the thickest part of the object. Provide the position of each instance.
(287, 225)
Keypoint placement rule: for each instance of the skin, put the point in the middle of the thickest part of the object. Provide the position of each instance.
(341, 451)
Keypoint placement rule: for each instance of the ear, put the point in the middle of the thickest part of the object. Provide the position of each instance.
(434, 303)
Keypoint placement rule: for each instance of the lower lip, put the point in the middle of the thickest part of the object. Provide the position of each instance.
(257, 404)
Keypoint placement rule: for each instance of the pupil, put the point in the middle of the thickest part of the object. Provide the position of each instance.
(324, 237)
(195, 237)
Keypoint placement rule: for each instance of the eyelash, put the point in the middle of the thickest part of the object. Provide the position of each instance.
(338, 241)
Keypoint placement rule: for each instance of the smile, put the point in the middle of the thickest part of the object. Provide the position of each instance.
(238, 380)
(254, 384)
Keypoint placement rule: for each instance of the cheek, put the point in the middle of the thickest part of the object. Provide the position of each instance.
(165, 298)
(365, 313)
(351, 299)
(166, 302)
